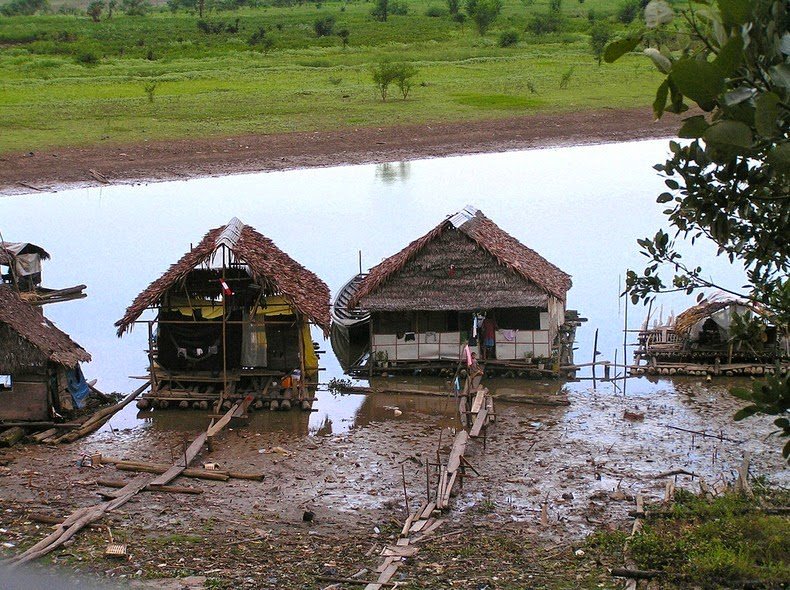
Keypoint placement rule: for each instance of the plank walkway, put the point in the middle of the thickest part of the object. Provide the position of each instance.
(424, 522)
(84, 517)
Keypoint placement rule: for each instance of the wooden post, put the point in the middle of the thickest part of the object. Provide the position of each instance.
(224, 339)
(302, 344)
(594, 355)
(372, 359)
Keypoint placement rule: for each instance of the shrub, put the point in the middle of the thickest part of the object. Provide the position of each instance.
(555, 6)
(545, 23)
(453, 6)
(88, 58)
(508, 38)
(404, 72)
(398, 7)
(211, 28)
(381, 11)
(94, 10)
(324, 26)
(257, 37)
(150, 88)
(344, 34)
(600, 33)
(483, 12)
(628, 11)
(436, 11)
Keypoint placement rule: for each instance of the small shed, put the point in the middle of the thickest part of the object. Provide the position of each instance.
(20, 268)
(426, 301)
(232, 319)
(39, 364)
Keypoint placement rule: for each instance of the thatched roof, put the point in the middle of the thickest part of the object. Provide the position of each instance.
(10, 250)
(520, 276)
(687, 319)
(32, 327)
(266, 263)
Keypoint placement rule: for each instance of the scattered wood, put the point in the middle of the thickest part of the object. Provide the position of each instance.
(49, 519)
(354, 581)
(98, 419)
(675, 472)
(703, 434)
(113, 483)
(636, 574)
(44, 434)
(8, 438)
(98, 176)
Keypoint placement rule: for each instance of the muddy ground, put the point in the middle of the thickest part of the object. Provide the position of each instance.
(173, 160)
(586, 461)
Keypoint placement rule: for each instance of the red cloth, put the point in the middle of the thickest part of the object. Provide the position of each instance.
(488, 328)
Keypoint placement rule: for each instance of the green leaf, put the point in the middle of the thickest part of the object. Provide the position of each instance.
(741, 393)
(766, 113)
(664, 198)
(745, 413)
(779, 157)
(661, 99)
(701, 81)
(786, 450)
(736, 12)
(730, 56)
(780, 75)
(693, 127)
(783, 423)
(617, 49)
(732, 134)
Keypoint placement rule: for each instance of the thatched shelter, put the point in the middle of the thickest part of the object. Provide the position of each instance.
(426, 299)
(37, 362)
(232, 315)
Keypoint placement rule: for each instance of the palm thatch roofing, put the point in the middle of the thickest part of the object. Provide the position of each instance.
(466, 241)
(26, 328)
(686, 320)
(266, 263)
(10, 250)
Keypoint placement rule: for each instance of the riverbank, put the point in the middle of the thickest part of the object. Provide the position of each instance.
(153, 161)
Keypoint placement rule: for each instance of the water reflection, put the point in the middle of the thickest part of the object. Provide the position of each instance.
(390, 172)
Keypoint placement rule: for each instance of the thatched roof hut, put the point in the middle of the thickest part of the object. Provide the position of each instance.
(10, 251)
(266, 263)
(29, 339)
(466, 262)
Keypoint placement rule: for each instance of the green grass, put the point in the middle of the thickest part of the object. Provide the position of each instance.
(710, 543)
(218, 84)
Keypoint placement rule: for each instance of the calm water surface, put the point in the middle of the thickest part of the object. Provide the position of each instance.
(580, 207)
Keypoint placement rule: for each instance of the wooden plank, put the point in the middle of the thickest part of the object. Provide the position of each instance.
(428, 510)
(385, 564)
(406, 526)
(387, 574)
(480, 420)
(459, 448)
(448, 490)
(222, 422)
(398, 551)
(416, 527)
(479, 399)
(429, 530)
(403, 541)
(191, 452)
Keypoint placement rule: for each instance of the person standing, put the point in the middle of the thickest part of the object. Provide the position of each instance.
(488, 332)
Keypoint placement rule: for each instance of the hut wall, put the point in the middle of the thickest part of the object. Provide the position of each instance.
(454, 273)
(17, 354)
(28, 398)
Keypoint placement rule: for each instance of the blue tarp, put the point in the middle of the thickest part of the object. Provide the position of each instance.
(77, 386)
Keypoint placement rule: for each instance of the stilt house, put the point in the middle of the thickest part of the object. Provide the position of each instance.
(20, 268)
(232, 319)
(424, 299)
(39, 365)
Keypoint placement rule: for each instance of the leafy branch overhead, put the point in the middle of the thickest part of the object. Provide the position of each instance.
(731, 182)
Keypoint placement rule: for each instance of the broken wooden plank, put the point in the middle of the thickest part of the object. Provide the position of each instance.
(480, 421)
(398, 551)
(459, 448)
(428, 510)
(480, 397)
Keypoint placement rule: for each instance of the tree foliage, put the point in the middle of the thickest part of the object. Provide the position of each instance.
(387, 72)
(600, 34)
(24, 7)
(95, 9)
(730, 181)
(483, 13)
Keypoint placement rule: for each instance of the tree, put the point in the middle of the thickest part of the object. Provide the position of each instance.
(110, 7)
(344, 34)
(453, 6)
(403, 74)
(24, 7)
(731, 182)
(381, 11)
(95, 9)
(600, 34)
(483, 12)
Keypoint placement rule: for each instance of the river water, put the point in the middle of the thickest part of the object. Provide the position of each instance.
(580, 207)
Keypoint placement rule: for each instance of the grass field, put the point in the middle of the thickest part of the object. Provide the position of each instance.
(68, 81)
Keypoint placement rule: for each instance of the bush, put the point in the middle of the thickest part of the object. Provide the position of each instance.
(344, 34)
(324, 26)
(94, 10)
(508, 38)
(88, 58)
(398, 7)
(548, 22)
(381, 11)
(628, 11)
(436, 11)
(24, 7)
(453, 6)
(600, 33)
(387, 72)
(483, 12)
